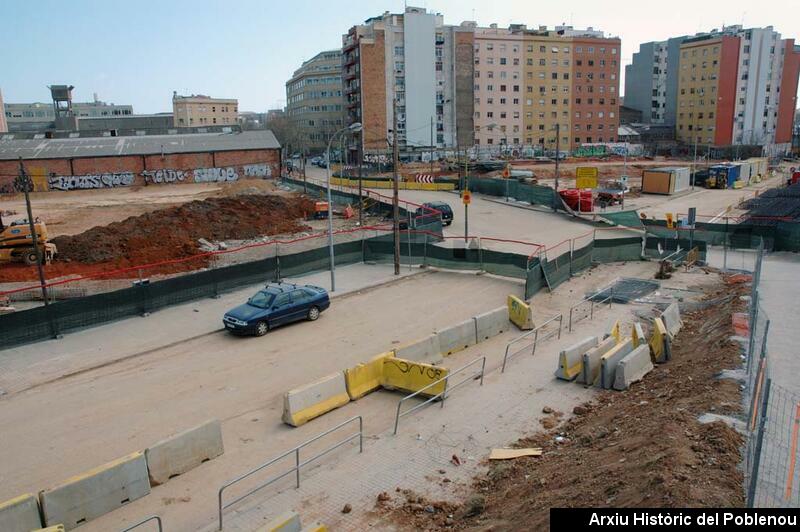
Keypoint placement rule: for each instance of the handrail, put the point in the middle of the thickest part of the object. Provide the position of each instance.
(443, 394)
(155, 518)
(535, 333)
(297, 464)
(590, 298)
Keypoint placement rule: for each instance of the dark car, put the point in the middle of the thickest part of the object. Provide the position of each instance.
(427, 211)
(277, 304)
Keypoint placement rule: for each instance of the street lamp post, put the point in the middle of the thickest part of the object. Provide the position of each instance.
(353, 128)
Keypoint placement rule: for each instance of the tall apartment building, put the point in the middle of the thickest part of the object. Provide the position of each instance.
(314, 102)
(733, 86)
(414, 61)
(199, 110)
(3, 123)
(651, 81)
(530, 82)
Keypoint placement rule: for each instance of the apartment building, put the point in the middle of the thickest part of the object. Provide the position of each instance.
(314, 102)
(725, 87)
(412, 62)
(529, 84)
(3, 123)
(651, 81)
(200, 110)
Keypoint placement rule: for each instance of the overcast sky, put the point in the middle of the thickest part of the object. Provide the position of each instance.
(138, 52)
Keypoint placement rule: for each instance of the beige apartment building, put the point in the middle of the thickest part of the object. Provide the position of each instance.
(199, 110)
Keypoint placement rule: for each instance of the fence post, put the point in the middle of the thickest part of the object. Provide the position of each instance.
(215, 284)
(751, 492)
(725, 248)
(425, 251)
(753, 329)
(277, 263)
(297, 465)
(572, 248)
(480, 253)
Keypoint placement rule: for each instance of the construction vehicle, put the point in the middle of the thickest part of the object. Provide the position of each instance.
(320, 210)
(16, 244)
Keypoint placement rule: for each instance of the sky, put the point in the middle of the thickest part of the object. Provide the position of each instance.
(139, 52)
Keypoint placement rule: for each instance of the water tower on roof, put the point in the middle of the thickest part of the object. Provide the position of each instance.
(62, 100)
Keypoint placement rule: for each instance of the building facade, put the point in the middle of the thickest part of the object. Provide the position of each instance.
(412, 62)
(201, 110)
(541, 89)
(40, 116)
(735, 86)
(3, 123)
(651, 81)
(314, 102)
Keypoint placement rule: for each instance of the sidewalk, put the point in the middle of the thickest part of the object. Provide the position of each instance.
(34, 364)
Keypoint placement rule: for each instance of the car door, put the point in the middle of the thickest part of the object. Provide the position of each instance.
(281, 309)
(300, 304)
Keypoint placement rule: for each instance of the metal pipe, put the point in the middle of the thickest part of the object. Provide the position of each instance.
(155, 518)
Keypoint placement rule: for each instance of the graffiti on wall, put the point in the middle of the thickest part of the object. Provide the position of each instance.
(90, 181)
(257, 170)
(164, 176)
(215, 175)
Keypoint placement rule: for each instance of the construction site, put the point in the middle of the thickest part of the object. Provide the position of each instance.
(612, 332)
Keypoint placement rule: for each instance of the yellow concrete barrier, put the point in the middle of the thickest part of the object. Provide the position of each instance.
(312, 400)
(286, 522)
(409, 376)
(366, 377)
(637, 334)
(615, 332)
(519, 313)
(316, 527)
(659, 346)
(20, 513)
(54, 528)
(403, 185)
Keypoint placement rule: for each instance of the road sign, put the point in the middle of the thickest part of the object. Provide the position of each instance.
(507, 171)
(670, 220)
(586, 177)
(466, 197)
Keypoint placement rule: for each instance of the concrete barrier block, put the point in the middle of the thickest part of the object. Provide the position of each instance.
(633, 367)
(570, 360)
(609, 361)
(492, 323)
(591, 361)
(457, 337)
(316, 527)
(20, 514)
(519, 313)
(56, 528)
(613, 330)
(637, 335)
(182, 452)
(659, 340)
(312, 400)
(672, 319)
(424, 350)
(410, 376)
(366, 377)
(286, 522)
(96, 492)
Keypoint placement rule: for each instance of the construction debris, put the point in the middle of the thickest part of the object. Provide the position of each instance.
(507, 454)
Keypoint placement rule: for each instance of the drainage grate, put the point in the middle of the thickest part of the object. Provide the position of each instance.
(627, 289)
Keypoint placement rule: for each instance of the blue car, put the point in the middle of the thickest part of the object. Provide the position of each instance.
(277, 304)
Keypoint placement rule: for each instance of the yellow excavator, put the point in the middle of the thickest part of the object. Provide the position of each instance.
(16, 244)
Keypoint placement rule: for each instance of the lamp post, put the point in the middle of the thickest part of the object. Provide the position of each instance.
(353, 128)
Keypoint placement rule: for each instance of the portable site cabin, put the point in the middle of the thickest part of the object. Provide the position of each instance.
(725, 173)
(666, 180)
(759, 167)
(745, 172)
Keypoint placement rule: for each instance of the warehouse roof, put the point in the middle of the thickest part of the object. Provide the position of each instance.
(12, 148)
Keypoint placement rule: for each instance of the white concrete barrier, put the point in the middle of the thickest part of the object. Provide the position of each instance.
(570, 360)
(633, 367)
(182, 452)
(424, 350)
(458, 337)
(637, 333)
(312, 400)
(591, 361)
(96, 492)
(492, 323)
(672, 319)
(20, 514)
(609, 361)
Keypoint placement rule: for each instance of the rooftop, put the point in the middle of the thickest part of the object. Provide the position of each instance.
(12, 149)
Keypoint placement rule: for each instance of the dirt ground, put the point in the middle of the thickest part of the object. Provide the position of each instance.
(640, 448)
(170, 233)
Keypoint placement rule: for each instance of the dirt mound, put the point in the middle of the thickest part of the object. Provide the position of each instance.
(169, 234)
(640, 448)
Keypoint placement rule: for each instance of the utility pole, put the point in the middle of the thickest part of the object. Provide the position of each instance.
(466, 190)
(360, 156)
(431, 145)
(24, 183)
(558, 157)
(395, 188)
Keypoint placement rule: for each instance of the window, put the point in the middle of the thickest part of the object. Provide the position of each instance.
(398, 50)
(489, 87)
(502, 60)
(502, 88)
(503, 114)
(489, 114)
(490, 74)
(554, 75)
(502, 101)
(542, 62)
(543, 48)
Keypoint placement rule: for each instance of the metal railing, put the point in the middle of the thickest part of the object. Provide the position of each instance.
(591, 300)
(297, 463)
(535, 334)
(155, 518)
(444, 393)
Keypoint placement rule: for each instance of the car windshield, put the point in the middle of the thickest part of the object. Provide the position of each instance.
(261, 300)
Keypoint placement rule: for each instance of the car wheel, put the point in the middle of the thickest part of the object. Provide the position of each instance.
(262, 328)
(30, 257)
(313, 314)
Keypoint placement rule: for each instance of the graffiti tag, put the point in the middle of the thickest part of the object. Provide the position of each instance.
(215, 175)
(164, 176)
(257, 170)
(90, 181)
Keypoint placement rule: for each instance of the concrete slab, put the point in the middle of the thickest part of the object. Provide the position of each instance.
(609, 361)
(591, 361)
(20, 514)
(570, 360)
(184, 451)
(303, 404)
(423, 350)
(492, 323)
(457, 337)
(633, 367)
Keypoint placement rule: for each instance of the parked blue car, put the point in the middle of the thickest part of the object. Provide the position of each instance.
(277, 304)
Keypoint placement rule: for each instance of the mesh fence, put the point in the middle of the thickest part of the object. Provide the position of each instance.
(617, 249)
(533, 194)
